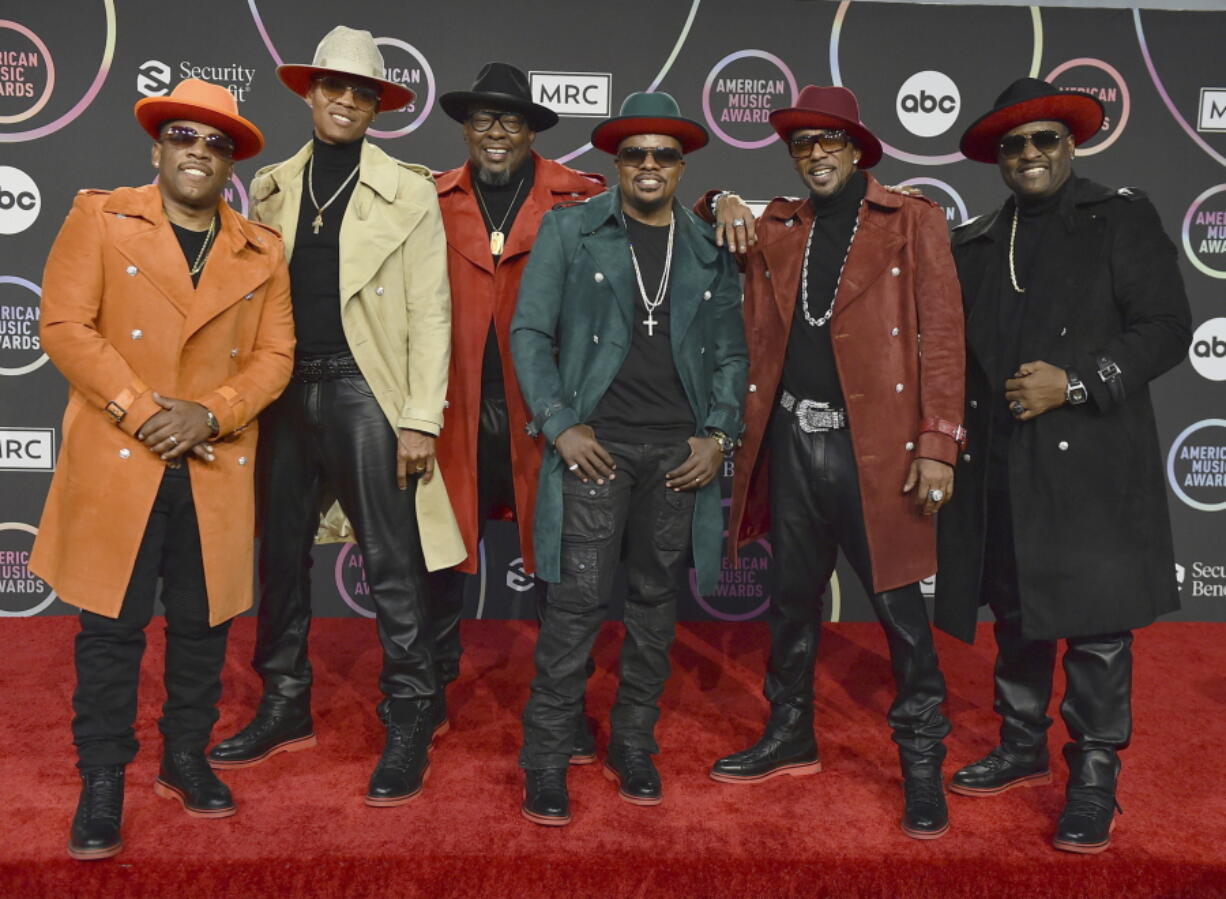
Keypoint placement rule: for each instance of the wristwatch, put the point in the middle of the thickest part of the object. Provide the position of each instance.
(1075, 393)
(726, 444)
(211, 420)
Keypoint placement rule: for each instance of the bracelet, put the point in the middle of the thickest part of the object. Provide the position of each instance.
(715, 201)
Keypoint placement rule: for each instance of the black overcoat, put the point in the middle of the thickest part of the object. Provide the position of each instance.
(1091, 528)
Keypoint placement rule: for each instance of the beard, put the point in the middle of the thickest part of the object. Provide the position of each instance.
(492, 178)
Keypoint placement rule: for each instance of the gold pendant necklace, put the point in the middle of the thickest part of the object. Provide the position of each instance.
(319, 210)
(497, 238)
(203, 255)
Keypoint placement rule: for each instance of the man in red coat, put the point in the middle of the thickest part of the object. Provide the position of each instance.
(852, 426)
(492, 208)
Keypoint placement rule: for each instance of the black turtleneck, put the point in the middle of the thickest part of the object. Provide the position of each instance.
(809, 371)
(315, 268)
(1033, 221)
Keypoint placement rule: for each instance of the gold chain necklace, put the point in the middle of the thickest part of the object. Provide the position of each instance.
(203, 256)
(497, 238)
(319, 210)
(1012, 241)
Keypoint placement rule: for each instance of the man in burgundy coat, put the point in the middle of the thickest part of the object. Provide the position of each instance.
(492, 208)
(852, 426)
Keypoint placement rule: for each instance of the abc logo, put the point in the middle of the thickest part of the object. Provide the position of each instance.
(928, 103)
(19, 200)
(1208, 350)
(153, 78)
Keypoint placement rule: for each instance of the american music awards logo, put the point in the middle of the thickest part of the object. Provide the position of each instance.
(22, 593)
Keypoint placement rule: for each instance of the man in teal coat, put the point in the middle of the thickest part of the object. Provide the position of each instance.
(630, 350)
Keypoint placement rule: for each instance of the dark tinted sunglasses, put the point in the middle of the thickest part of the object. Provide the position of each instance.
(511, 122)
(365, 97)
(801, 145)
(665, 157)
(185, 136)
(1044, 141)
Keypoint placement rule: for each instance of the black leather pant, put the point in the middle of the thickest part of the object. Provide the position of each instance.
(632, 517)
(815, 509)
(333, 434)
(1097, 706)
(108, 650)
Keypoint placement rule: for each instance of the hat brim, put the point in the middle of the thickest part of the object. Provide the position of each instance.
(785, 121)
(608, 134)
(457, 103)
(1082, 113)
(298, 79)
(153, 112)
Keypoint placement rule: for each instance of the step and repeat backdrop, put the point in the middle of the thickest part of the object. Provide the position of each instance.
(70, 72)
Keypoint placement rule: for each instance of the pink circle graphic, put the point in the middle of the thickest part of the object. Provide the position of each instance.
(341, 558)
(46, 95)
(426, 105)
(1202, 267)
(706, 95)
(1125, 101)
(728, 616)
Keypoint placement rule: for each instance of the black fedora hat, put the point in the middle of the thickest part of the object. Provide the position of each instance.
(1031, 100)
(653, 112)
(503, 85)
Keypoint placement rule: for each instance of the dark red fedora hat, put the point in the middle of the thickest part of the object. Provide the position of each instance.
(828, 107)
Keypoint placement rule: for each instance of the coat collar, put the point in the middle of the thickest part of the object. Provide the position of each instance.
(604, 211)
(1081, 192)
(146, 203)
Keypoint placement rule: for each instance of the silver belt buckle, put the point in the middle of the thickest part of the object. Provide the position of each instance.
(814, 417)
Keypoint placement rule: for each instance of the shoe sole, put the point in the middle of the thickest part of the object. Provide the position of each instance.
(393, 801)
(800, 769)
(1086, 848)
(166, 791)
(1030, 780)
(295, 745)
(544, 820)
(585, 759)
(924, 834)
(91, 855)
(612, 775)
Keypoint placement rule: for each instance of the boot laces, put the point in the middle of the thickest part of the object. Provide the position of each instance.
(104, 794)
(550, 779)
(924, 789)
(194, 768)
(403, 742)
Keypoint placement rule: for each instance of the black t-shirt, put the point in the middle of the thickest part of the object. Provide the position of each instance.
(502, 205)
(192, 242)
(646, 403)
(315, 268)
(809, 371)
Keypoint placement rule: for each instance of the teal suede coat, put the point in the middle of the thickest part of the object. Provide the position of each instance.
(572, 331)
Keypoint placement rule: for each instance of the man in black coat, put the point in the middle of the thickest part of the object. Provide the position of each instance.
(1074, 303)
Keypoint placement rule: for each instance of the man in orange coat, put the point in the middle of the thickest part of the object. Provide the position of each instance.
(492, 208)
(169, 315)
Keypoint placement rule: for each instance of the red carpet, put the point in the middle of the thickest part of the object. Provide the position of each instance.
(302, 828)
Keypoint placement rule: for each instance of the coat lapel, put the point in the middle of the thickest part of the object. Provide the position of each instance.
(154, 250)
(466, 231)
(693, 271)
(873, 247)
(278, 203)
(604, 239)
(375, 224)
(784, 251)
(236, 266)
(980, 284)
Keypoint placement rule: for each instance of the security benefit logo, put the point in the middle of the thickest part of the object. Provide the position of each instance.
(155, 78)
(1196, 465)
(22, 593)
(576, 94)
(1208, 350)
(1202, 580)
(20, 200)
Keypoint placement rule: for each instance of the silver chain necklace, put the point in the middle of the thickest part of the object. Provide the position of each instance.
(1012, 267)
(319, 210)
(649, 304)
(804, 273)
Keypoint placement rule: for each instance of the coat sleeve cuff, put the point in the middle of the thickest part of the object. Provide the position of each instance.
(228, 407)
(938, 446)
(558, 422)
(139, 409)
(412, 423)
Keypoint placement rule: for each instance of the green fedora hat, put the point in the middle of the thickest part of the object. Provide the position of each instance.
(649, 113)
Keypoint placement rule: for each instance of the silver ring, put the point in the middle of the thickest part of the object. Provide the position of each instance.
(936, 494)
(574, 467)
(174, 441)
(738, 223)
(1016, 407)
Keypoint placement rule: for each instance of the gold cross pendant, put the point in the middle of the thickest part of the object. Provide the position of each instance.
(318, 223)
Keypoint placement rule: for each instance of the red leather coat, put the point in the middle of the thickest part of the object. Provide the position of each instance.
(904, 397)
(481, 292)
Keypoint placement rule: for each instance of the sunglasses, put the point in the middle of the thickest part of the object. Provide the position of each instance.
(184, 136)
(801, 145)
(665, 157)
(365, 97)
(511, 122)
(1044, 141)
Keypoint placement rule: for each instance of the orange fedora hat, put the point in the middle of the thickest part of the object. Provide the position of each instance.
(194, 100)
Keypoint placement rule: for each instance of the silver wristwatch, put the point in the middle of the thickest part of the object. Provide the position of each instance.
(1075, 393)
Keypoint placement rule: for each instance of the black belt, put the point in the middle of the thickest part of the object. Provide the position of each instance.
(326, 368)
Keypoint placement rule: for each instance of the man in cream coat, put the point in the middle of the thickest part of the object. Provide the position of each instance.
(358, 422)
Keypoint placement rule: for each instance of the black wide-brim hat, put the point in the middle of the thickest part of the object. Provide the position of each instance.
(502, 85)
(653, 112)
(1031, 100)
(828, 107)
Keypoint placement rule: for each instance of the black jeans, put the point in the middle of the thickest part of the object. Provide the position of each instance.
(108, 650)
(632, 517)
(1097, 706)
(333, 434)
(816, 509)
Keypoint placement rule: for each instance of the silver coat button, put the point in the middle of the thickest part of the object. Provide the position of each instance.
(702, 350)
(898, 388)
(125, 453)
(249, 296)
(896, 271)
(137, 333)
(1062, 445)
(234, 353)
(753, 388)
(595, 338)
(446, 404)
(242, 460)
(974, 404)
(789, 223)
(706, 295)
(893, 332)
(767, 273)
(379, 291)
(120, 215)
(131, 269)
(599, 277)
(966, 457)
(910, 445)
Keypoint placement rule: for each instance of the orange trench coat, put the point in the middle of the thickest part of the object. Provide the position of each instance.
(120, 319)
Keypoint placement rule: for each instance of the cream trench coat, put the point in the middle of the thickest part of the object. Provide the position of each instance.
(395, 309)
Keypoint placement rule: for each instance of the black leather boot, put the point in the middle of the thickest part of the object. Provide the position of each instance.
(99, 816)
(185, 776)
(546, 799)
(788, 746)
(273, 729)
(925, 816)
(1087, 821)
(999, 771)
(401, 772)
(635, 774)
